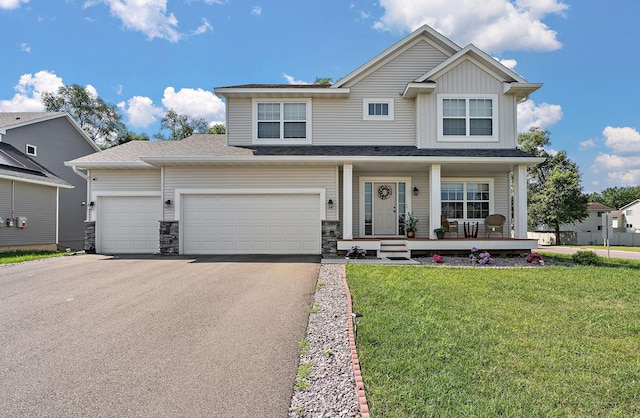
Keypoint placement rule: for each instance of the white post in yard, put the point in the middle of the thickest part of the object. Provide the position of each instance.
(435, 205)
(347, 191)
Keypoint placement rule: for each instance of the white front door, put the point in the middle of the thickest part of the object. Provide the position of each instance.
(384, 209)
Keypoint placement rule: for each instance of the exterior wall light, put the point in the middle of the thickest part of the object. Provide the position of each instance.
(330, 203)
(91, 205)
(415, 191)
(167, 203)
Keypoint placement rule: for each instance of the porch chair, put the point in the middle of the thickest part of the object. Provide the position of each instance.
(494, 223)
(452, 226)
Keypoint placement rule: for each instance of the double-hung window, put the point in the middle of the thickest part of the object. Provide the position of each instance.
(470, 118)
(466, 199)
(282, 122)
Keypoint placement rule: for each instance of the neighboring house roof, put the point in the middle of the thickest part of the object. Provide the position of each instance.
(14, 165)
(599, 207)
(12, 120)
(635, 202)
(204, 148)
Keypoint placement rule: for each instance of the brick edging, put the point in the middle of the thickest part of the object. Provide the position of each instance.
(362, 397)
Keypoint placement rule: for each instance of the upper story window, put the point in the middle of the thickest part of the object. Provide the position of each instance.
(31, 150)
(377, 109)
(472, 118)
(282, 122)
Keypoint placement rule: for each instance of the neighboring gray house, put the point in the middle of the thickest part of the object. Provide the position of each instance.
(50, 139)
(426, 127)
(29, 197)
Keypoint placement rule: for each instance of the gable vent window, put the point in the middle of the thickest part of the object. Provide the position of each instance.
(377, 109)
(467, 118)
(282, 122)
(31, 150)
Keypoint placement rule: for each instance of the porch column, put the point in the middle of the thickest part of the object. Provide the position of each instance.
(347, 199)
(435, 199)
(520, 202)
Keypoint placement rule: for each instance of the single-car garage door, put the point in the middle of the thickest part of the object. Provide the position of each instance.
(251, 224)
(129, 224)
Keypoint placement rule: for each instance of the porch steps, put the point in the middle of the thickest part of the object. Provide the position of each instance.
(393, 248)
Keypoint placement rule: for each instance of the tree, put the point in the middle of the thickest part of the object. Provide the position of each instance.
(129, 136)
(180, 126)
(218, 128)
(554, 191)
(616, 197)
(100, 121)
(324, 81)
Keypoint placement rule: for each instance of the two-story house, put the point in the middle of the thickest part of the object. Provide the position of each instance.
(48, 139)
(425, 127)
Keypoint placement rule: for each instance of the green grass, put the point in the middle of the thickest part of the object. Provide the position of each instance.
(20, 256)
(446, 342)
(602, 261)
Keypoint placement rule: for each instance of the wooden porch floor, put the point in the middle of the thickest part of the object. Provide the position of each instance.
(422, 246)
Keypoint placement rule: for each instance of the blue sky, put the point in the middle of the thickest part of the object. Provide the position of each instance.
(147, 56)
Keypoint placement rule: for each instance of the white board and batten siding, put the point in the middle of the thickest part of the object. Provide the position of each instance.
(127, 211)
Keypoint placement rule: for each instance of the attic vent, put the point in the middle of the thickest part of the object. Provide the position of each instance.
(31, 150)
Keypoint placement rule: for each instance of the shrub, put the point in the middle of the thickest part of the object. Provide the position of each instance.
(586, 258)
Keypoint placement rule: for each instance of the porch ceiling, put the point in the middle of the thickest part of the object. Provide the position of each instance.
(391, 167)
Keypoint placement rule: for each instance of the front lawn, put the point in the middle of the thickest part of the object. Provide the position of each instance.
(20, 256)
(552, 341)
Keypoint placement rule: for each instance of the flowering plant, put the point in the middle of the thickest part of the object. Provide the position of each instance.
(479, 256)
(535, 258)
(356, 252)
(437, 259)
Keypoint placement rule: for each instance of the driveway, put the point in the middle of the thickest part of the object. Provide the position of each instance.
(99, 336)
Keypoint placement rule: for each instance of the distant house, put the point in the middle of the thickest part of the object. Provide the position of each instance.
(425, 127)
(29, 196)
(630, 217)
(49, 139)
(593, 222)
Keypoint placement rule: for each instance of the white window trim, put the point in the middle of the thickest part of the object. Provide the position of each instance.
(367, 116)
(35, 150)
(468, 137)
(279, 141)
(465, 180)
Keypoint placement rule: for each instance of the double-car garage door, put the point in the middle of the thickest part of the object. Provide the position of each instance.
(214, 224)
(251, 224)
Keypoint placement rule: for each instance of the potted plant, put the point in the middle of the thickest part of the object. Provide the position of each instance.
(440, 232)
(410, 222)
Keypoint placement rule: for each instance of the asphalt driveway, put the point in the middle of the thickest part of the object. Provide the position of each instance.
(98, 336)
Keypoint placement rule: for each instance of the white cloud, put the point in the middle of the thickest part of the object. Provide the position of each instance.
(140, 111)
(627, 178)
(622, 140)
(12, 4)
(147, 16)
(496, 26)
(25, 47)
(588, 144)
(292, 80)
(29, 91)
(197, 103)
(509, 63)
(542, 116)
(256, 11)
(204, 28)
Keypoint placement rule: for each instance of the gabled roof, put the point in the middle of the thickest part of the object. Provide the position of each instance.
(12, 120)
(437, 39)
(14, 165)
(281, 91)
(635, 202)
(599, 207)
(513, 82)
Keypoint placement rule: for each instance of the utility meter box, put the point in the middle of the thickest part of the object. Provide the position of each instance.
(21, 221)
(8, 222)
(1, 221)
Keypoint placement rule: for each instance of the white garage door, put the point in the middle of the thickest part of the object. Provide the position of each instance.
(129, 225)
(251, 224)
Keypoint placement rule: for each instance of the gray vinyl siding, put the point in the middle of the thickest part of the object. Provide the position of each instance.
(250, 178)
(239, 122)
(58, 141)
(38, 204)
(127, 182)
(467, 79)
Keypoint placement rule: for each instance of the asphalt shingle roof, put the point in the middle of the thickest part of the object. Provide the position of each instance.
(8, 119)
(20, 166)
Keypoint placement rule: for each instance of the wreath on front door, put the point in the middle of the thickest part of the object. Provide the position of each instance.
(384, 192)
